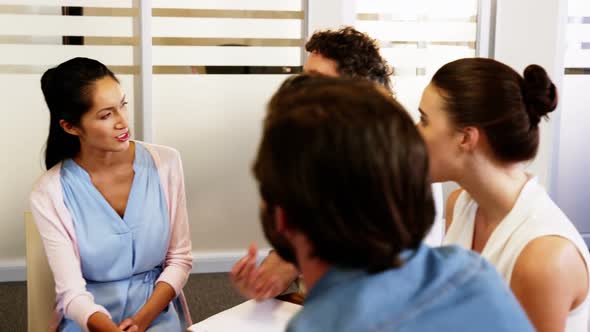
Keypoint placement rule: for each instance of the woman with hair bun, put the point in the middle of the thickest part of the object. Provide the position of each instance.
(480, 120)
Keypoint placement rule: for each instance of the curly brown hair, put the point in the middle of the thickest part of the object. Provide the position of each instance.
(356, 54)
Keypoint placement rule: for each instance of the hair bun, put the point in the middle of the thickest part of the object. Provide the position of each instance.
(539, 92)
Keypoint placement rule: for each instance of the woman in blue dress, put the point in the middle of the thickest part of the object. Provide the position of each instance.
(111, 211)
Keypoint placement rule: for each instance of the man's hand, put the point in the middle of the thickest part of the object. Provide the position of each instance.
(262, 282)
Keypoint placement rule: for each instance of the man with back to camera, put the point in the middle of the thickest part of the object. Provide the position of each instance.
(344, 179)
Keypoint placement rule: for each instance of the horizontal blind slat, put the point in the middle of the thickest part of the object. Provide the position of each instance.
(578, 32)
(71, 3)
(55, 54)
(226, 28)
(55, 25)
(577, 58)
(226, 56)
(431, 9)
(426, 57)
(277, 5)
(419, 31)
(579, 8)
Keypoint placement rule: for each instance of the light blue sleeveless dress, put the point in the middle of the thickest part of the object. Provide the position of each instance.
(121, 258)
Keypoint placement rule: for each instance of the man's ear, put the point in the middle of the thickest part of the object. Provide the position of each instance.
(281, 225)
(69, 128)
(470, 138)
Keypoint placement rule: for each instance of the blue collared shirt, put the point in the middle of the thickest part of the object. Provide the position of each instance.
(436, 289)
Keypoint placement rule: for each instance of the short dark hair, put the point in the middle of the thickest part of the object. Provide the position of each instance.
(348, 166)
(356, 54)
(68, 89)
(507, 107)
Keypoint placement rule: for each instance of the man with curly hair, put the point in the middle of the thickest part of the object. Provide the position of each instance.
(344, 52)
(347, 52)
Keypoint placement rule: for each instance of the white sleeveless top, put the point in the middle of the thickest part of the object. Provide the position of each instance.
(534, 215)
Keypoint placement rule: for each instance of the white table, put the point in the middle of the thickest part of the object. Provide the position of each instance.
(250, 316)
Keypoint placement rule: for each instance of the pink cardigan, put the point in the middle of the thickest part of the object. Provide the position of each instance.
(59, 238)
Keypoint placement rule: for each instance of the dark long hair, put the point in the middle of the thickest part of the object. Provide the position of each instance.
(506, 106)
(68, 89)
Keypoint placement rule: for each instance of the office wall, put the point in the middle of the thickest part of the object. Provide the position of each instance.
(538, 39)
(214, 64)
(30, 42)
(573, 178)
